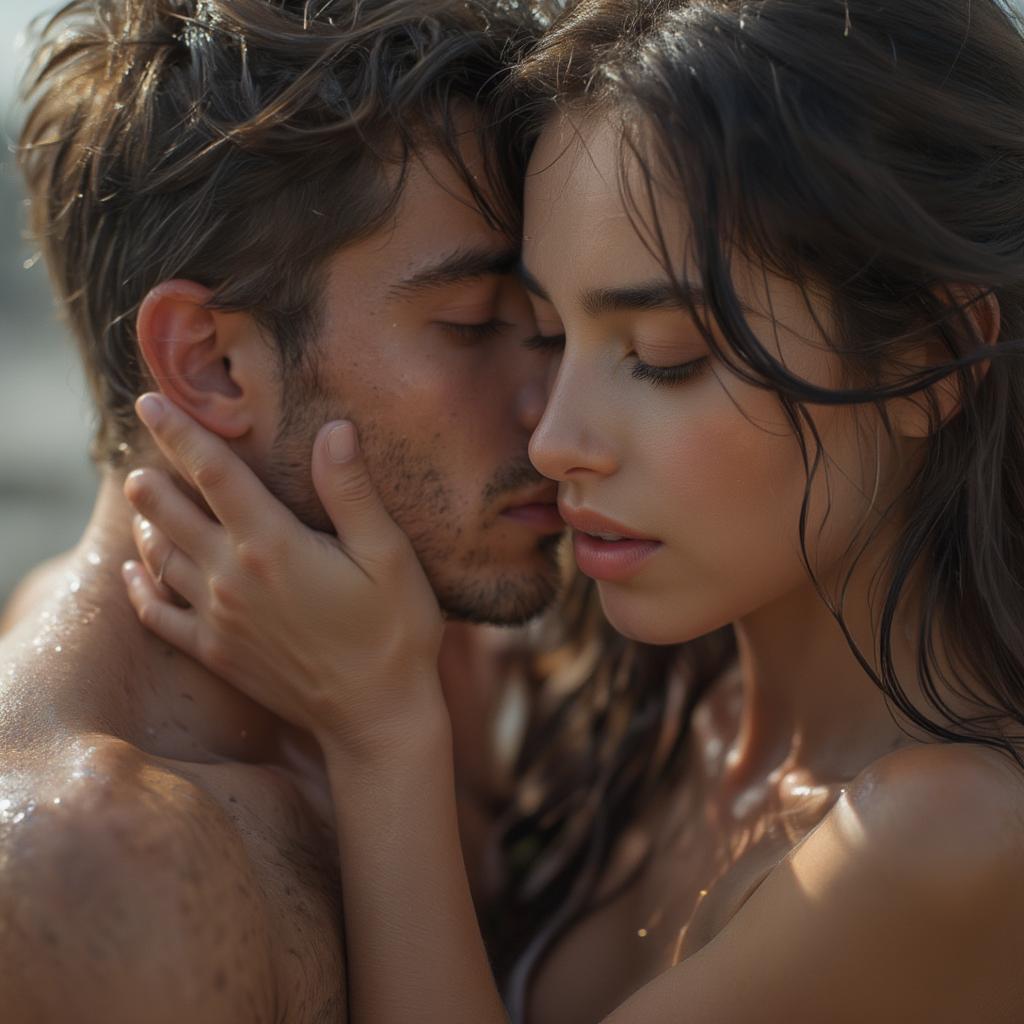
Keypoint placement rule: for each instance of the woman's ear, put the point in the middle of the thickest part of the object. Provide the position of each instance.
(915, 416)
(200, 357)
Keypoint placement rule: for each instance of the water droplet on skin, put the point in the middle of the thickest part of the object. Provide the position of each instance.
(642, 932)
(58, 649)
(74, 585)
(56, 801)
(18, 818)
(93, 558)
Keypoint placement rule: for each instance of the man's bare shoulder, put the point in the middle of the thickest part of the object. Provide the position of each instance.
(34, 587)
(125, 892)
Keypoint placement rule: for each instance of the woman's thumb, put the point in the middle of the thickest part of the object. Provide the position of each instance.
(348, 494)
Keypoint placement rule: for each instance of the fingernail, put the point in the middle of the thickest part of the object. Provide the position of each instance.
(341, 442)
(150, 408)
(133, 484)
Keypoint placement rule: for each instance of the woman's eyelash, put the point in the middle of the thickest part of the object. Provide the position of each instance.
(476, 332)
(545, 342)
(657, 375)
(667, 375)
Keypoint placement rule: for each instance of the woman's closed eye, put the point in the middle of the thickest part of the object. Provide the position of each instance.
(653, 372)
(661, 363)
(678, 374)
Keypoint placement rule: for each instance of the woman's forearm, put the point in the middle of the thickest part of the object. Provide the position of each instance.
(415, 954)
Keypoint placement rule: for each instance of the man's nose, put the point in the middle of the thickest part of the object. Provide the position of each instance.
(532, 400)
(569, 441)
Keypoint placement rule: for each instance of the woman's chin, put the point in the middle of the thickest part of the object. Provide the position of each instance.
(646, 619)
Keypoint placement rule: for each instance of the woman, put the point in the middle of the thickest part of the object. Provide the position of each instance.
(783, 247)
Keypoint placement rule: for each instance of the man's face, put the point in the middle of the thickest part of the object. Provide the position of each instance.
(422, 346)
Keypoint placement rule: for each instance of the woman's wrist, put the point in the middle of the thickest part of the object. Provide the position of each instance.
(410, 727)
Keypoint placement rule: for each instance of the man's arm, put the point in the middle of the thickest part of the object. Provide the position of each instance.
(130, 901)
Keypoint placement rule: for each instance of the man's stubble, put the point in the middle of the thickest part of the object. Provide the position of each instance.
(470, 583)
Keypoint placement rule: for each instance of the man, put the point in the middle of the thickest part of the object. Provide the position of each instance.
(279, 213)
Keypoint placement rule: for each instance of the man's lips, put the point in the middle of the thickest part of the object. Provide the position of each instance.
(605, 549)
(537, 509)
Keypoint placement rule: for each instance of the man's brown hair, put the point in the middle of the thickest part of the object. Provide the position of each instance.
(239, 143)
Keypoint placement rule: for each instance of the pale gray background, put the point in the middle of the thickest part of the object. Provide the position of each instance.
(47, 483)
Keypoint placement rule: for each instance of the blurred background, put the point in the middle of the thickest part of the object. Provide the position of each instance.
(47, 482)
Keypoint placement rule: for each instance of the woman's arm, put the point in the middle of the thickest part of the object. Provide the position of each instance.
(903, 905)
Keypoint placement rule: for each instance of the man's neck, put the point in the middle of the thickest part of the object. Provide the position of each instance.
(86, 638)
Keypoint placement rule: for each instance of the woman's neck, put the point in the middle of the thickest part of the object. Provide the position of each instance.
(809, 704)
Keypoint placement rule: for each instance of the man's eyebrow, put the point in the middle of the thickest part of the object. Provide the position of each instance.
(530, 283)
(460, 265)
(653, 295)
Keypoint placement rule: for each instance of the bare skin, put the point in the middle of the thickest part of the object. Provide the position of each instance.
(164, 827)
(167, 843)
(818, 863)
(168, 848)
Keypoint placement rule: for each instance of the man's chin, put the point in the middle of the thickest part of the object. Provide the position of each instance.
(510, 599)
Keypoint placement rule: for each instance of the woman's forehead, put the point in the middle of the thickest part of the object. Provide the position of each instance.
(576, 220)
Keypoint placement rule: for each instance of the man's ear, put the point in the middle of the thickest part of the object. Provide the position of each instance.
(980, 315)
(209, 362)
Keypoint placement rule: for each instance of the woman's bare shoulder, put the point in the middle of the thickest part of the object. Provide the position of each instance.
(940, 813)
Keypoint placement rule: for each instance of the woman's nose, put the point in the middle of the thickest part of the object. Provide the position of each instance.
(570, 440)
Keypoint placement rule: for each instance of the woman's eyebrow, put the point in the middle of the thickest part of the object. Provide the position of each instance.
(651, 295)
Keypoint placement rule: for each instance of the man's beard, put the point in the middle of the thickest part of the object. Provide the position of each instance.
(469, 583)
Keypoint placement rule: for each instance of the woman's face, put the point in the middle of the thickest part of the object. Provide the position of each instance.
(647, 432)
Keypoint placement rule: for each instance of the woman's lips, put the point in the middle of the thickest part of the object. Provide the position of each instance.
(604, 549)
(610, 560)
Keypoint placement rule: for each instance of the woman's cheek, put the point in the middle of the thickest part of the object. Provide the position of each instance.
(728, 493)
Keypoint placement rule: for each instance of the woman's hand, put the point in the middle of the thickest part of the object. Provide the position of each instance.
(338, 635)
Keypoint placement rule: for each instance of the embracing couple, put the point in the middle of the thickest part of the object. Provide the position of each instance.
(379, 299)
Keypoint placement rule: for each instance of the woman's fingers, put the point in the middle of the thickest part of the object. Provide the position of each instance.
(234, 493)
(366, 531)
(155, 496)
(171, 571)
(177, 626)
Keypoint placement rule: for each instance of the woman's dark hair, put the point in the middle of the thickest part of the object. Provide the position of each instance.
(872, 153)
